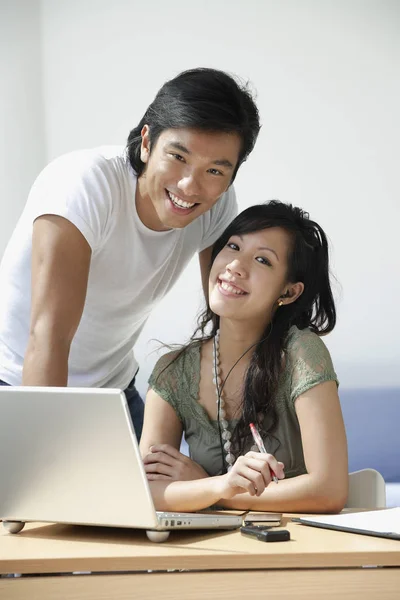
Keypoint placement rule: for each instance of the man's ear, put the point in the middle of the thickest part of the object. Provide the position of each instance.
(291, 293)
(145, 145)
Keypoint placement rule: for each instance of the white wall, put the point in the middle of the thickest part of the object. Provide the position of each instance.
(326, 73)
(22, 151)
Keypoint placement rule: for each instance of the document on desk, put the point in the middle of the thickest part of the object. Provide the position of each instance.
(380, 523)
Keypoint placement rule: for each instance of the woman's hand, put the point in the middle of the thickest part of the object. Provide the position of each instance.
(166, 462)
(251, 473)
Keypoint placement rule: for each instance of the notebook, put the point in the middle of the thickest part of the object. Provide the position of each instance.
(70, 455)
(381, 523)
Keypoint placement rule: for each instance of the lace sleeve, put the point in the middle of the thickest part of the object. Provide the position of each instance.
(310, 363)
(164, 379)
(174, 378)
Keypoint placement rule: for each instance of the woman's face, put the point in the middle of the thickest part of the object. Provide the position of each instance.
(248, 276)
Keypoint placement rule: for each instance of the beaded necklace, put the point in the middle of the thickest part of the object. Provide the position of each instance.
(225, 434)
(221, 413)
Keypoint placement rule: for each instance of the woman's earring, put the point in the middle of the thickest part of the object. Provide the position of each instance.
(280, 303)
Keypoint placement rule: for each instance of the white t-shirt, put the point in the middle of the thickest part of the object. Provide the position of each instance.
(132, 267)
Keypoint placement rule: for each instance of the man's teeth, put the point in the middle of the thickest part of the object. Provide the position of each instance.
(228, 288)
(178, 202)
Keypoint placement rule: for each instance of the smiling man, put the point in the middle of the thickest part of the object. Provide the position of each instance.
(106, 233)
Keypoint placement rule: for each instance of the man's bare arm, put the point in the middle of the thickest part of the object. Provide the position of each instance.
(205, 262)
(60, 269)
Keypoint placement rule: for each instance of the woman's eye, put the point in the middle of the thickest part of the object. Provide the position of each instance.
(263, 260)
(232, 246)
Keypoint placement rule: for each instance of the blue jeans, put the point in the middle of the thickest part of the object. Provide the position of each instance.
(135, 405)
(136, 408)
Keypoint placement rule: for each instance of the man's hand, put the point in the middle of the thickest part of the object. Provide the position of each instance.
(251, 473)
(166, 462)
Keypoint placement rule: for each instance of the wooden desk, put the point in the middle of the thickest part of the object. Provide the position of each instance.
(316, 564)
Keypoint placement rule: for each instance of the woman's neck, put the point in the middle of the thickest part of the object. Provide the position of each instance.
(237, 338)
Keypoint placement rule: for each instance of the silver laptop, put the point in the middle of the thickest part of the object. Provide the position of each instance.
(70, 455)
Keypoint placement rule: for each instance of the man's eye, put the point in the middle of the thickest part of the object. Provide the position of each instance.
(263, 260)
(215, 172)
(178, 157)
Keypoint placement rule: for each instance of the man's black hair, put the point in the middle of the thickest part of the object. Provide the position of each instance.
(199, 99)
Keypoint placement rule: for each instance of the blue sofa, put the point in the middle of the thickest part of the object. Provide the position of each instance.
(372, 420)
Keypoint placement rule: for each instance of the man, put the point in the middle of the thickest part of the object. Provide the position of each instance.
(106, 232)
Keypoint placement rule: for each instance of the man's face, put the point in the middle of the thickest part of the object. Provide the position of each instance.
(186, 173)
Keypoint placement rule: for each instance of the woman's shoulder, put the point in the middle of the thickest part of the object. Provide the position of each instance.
(175, 376)
(175, 362)
(308, 361)
(303, 343)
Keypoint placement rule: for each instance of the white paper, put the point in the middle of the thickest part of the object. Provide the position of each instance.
(379, 521)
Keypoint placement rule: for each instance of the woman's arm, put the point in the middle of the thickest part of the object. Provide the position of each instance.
(176, 482)
(161, 424)
(248, 485)
(179, 484)
(324, 487)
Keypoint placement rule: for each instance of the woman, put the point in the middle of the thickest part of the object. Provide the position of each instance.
(262, 362)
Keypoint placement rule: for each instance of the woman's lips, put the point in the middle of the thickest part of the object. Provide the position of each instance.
(230, 289)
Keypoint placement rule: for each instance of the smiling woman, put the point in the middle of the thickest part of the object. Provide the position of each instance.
(252, 269)
(257, 357)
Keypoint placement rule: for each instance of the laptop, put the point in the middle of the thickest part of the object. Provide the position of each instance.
(70, 455)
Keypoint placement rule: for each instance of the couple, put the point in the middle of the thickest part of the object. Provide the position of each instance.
(103, 237)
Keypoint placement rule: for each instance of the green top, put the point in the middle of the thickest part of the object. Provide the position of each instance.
(308, 363)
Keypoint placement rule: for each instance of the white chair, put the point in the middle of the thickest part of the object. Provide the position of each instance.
(367, 489)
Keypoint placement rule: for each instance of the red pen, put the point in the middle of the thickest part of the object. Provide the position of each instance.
(260, 445)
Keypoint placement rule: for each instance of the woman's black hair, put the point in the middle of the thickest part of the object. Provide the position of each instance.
(308, 262)
(200, 99)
